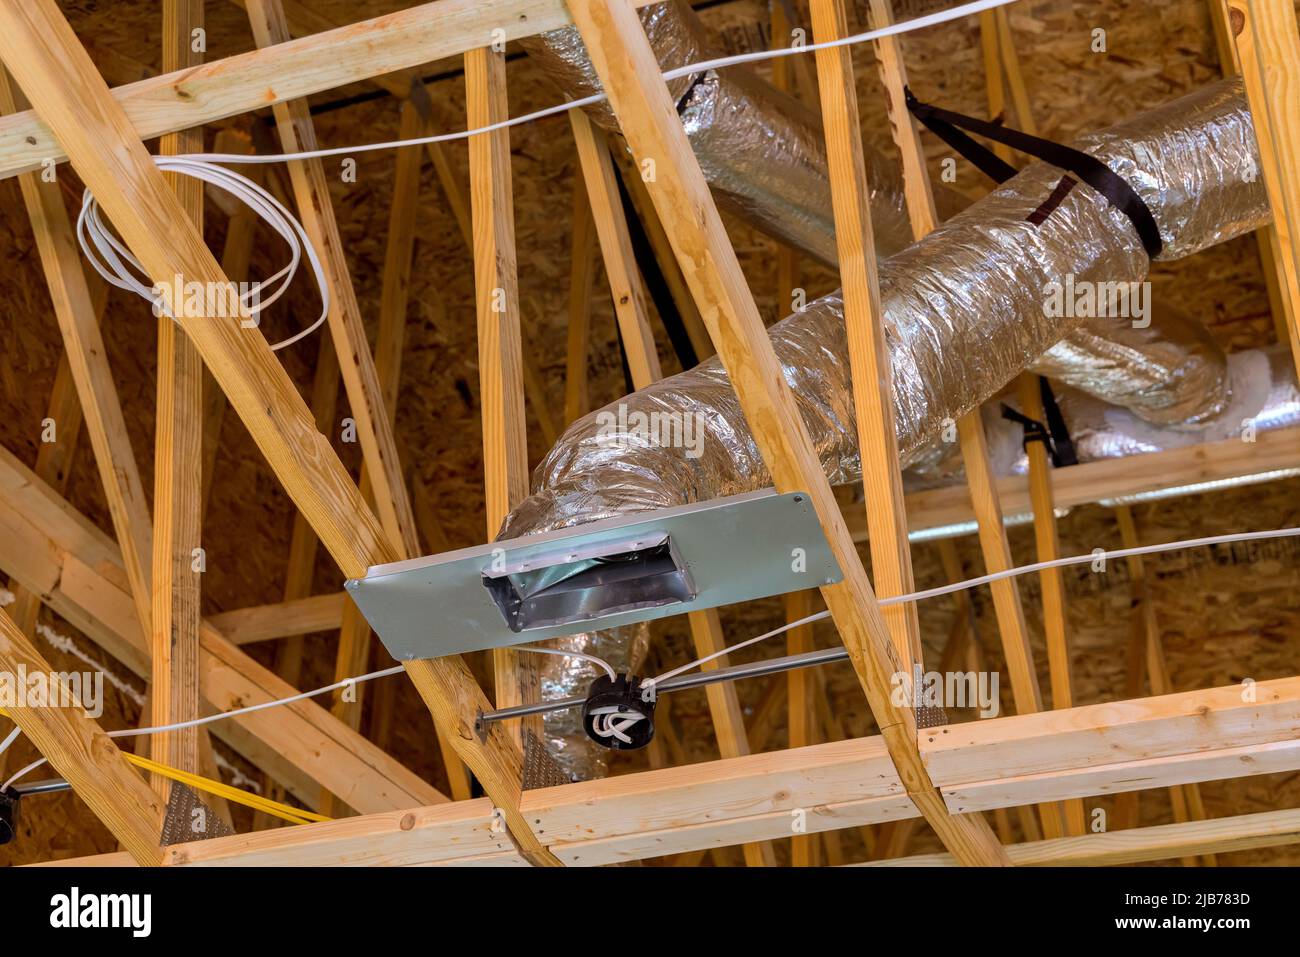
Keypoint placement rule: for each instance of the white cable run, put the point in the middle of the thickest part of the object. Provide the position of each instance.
(616, 728)
(197, 722)
(917, 23)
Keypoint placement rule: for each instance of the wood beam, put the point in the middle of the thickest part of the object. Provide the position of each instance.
(360, 379)
(577, 399)
(54, 459)
(1198, 736)
(86, 757)
(629, 73)
(873, 392)
(970, 429)
(1268, 45)
(178, 467)
(500, 346)
(77, 570)
(625, 286)
(323, 61)
(628, 292)
(88, 359)
(299, 616)
(420, 836)
(1137, 846)
(1186, 800)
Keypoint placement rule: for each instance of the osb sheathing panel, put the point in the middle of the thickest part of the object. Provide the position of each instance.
(1222, 619)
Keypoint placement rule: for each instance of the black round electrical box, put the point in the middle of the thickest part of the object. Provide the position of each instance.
(619, 713)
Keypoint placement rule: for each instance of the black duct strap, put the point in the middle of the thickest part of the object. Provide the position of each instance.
(1063, 446)
(1054, 435)
(948, 125)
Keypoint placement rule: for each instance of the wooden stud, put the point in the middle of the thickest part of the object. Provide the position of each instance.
(500, 349)
(873, 393)
(1119, 848)
(970, 428)
(625, 285)
(1268, 47)
(577, 399)
(178, 467)
(85, 756)
(629, 296)
(360, 379)
(1186, 800)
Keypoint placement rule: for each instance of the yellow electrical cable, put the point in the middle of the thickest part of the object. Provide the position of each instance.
(283, 811)
(293, 815)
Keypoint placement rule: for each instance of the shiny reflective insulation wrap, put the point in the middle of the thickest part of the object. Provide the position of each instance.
(1169, 373)
(1264, 395)
(763, 155)
(761, 150)
(963, 312)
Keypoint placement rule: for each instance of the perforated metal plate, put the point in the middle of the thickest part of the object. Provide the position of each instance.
(728, 550)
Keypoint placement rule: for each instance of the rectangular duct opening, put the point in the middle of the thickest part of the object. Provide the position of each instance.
(595, 582)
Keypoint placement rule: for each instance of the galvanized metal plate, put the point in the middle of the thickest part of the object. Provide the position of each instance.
(734, 549)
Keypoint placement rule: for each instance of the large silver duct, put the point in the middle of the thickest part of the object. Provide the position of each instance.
(1263, 394)
(963, 310)
(964, 314)
(762, 151)
(763, 155)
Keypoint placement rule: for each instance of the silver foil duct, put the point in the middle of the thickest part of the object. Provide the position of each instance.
(964, 314)
(1263, 397)
(762, 151)
(1168, 373)
(763, 155)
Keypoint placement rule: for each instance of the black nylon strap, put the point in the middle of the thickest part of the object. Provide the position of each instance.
(1055, 435)
(1063, 446)
(1116, 190)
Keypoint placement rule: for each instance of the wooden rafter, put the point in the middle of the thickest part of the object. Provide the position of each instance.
(85, 756)
(178, 463)
(630, 310)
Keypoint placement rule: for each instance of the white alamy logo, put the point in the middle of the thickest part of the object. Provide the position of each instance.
(53, 689)
(951, 689)
(75, 909)
(1085, 299)
(207, 300)
(662, 427)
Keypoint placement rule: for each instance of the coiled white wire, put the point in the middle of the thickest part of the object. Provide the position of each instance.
(112, 260)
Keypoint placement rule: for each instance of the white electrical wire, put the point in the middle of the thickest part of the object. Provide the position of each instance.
(4, 745)
(112, 260)
(609, 669)
(120, 268)
(917, 23)
(196, 722)
(915, 596)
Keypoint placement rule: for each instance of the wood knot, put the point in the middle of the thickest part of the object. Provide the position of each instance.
(1236, 20)
(407, 822)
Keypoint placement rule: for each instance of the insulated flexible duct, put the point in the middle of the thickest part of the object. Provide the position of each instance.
(763, 155)
(963, 310)
(964, 314)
